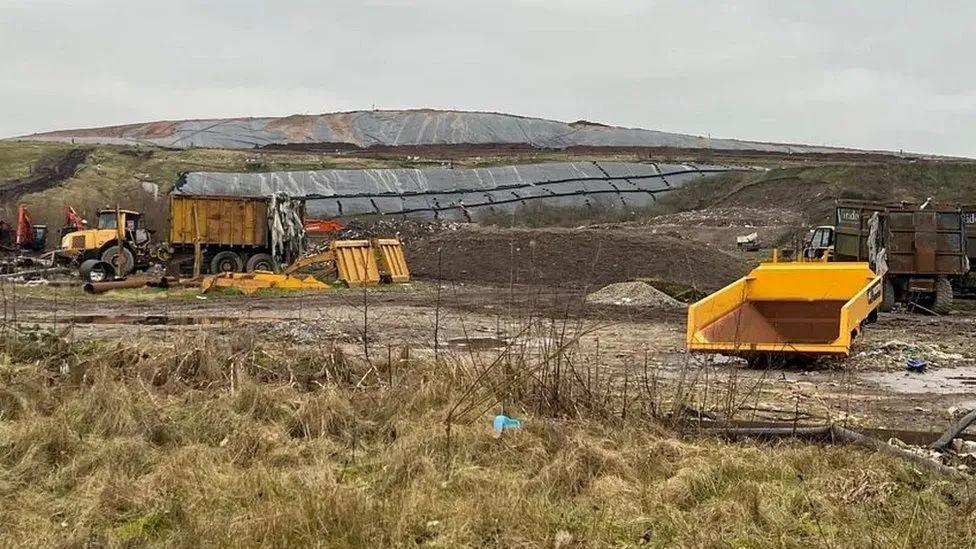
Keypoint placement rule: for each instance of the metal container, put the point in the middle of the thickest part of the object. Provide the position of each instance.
(219, 220)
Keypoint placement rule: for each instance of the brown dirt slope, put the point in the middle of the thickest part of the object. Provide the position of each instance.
(572, 258)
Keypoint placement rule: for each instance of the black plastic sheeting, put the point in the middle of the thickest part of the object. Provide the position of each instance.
(405, 128)
(457, 194)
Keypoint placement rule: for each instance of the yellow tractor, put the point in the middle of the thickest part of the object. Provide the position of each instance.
(118, 240)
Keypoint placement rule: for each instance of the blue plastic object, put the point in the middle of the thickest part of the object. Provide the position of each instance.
(502, 423)
(915, 365)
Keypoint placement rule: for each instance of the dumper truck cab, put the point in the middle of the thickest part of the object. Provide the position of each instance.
(920, 250)
(102, 242)
(966, 285)
(819, 243)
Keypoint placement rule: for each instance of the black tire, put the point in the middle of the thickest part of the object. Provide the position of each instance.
(226, 262)
(888, 298)
(95, 270)
(123, 263)
(943, 296)
(260, 262)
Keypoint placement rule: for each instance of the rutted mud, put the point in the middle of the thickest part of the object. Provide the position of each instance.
(49, 172)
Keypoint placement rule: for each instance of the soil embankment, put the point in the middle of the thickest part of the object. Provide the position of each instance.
(571, 257)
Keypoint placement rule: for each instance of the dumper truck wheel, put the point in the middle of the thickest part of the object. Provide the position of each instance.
(260, 262)
(943, 296)
(122, 263)
(226, 262)
(95, 270)
(888, 299)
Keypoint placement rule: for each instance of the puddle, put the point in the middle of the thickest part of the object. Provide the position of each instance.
(478, 343)
(138, 320)
(945, 381)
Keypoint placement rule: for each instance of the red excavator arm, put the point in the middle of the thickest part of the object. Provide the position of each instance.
(323, 225)
(25, 227)
(71, 218)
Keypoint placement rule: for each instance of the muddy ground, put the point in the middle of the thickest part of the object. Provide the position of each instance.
(476, 322)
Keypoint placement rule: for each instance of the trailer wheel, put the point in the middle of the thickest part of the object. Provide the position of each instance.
(888, 299)
(943, 296)
(94, 270)
(226, 262)
(260, 262)
(123, 263)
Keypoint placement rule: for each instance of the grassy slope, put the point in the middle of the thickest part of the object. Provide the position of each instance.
(204, 442)
(812, 190)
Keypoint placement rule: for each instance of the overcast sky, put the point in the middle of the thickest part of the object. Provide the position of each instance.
(885, 74)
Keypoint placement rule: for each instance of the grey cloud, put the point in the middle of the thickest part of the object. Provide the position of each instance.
(870, 74)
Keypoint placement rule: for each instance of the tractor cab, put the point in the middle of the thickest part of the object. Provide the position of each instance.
(819, 243)
(131, 221)
(37, 239)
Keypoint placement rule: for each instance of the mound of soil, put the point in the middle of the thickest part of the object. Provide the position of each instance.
(633, 293)
(576, 258)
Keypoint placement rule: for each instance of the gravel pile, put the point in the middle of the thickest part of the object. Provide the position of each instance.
(633, 293)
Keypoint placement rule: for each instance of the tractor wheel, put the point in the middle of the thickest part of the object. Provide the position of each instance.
(123, 263)
(94, 270)
(226, 262)
(888, 299)
(943, 296)
(260, 262)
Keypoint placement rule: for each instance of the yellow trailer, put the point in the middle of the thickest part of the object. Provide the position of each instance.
(803, 308)
(233, 233)
(228, 221)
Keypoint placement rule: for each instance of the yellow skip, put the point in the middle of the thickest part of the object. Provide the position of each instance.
(810, 308)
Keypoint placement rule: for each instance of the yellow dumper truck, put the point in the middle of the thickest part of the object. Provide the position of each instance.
(783, 309)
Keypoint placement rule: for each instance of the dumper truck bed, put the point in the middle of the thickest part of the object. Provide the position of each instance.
(807, 308)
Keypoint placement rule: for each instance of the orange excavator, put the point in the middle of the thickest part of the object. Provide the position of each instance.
(323, 226)
(26, 235)
(29, 236)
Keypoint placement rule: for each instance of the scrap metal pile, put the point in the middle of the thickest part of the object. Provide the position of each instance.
(346, 262)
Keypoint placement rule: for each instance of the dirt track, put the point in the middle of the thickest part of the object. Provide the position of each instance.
(49, 172)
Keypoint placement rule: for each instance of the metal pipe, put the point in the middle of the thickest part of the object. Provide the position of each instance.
(136, 282)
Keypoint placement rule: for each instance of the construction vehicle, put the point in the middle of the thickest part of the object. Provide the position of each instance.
(919, 249)
(966, 285)
(29, 237)
(236, 234)
(323, 226)
(787, 309)
(25, 236)
(216, 234)
(346, 262)
(115, 247)
(72, 222)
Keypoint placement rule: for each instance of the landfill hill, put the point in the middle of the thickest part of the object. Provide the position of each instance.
(409, 128)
